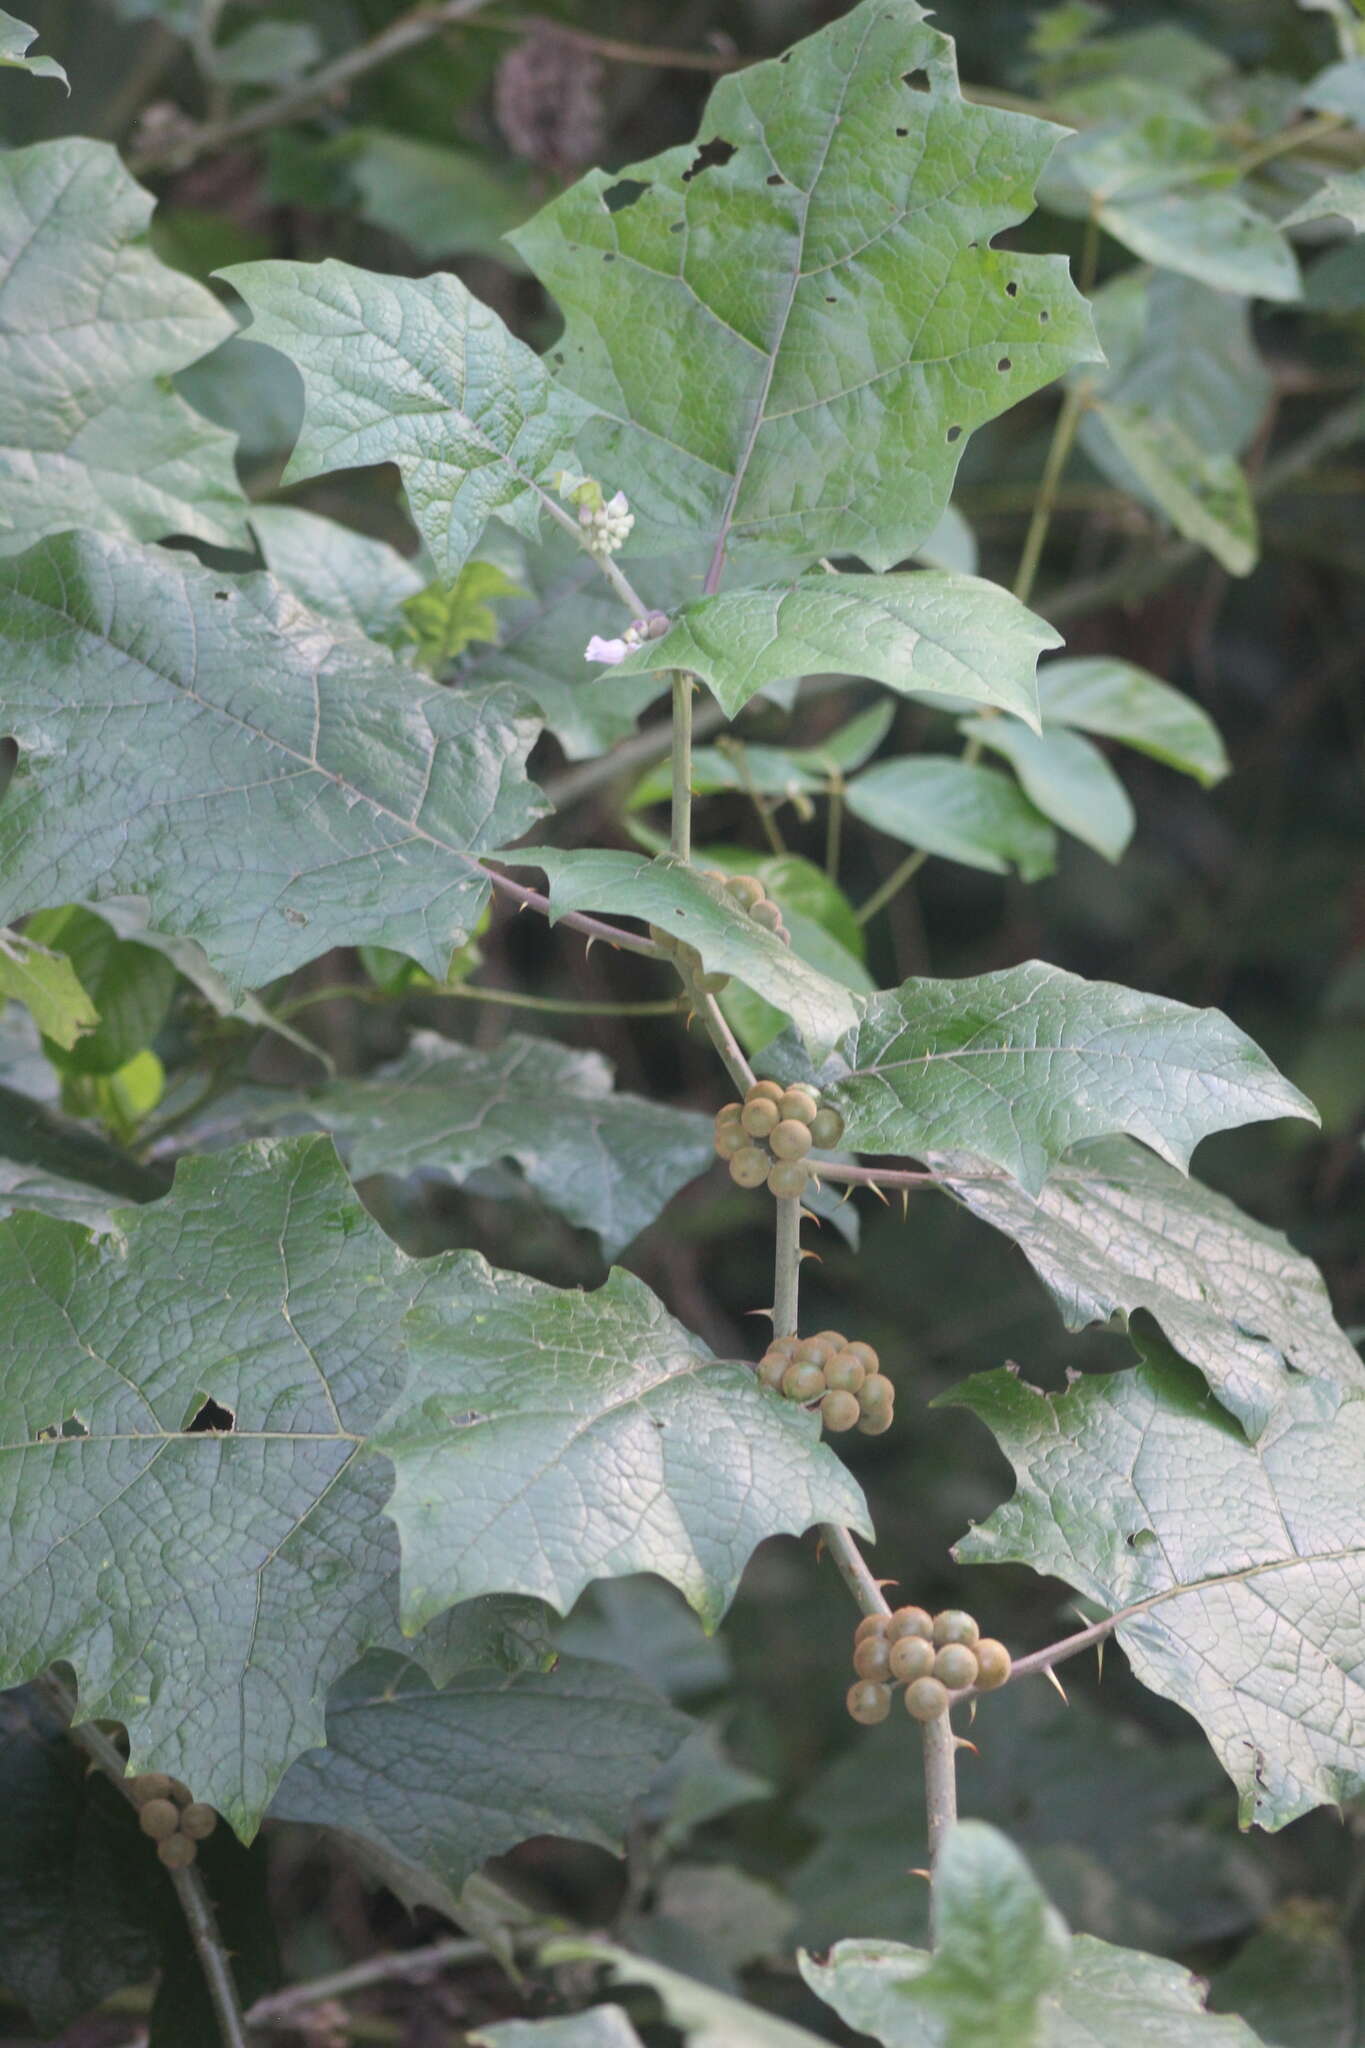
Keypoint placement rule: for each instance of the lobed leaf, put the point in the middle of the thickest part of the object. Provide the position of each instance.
(790, 334)
(269, 787)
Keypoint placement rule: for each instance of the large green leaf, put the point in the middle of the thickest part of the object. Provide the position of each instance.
(271, 789)
(15, 38)
(48, 986)
(1240, 1567)
(345, 577)
(548, 1438)
(1113, 1230)
(90, 432)
(419, 372)
(1005, 1973)
(1020, 1065)
(924, 634)
(435, 1782)
(608, 1162)
(680, 900)
(1160, 185)
(1123, 702)
(1067, 779)
(792, 332)
(957, 810)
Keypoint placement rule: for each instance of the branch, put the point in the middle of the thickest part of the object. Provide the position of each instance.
(577, 920)
(290, 2008)
(619, 52)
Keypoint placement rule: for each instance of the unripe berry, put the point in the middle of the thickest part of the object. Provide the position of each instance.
(782, 935)
(787, 1178)
(992, 1664)
(839, 1411)
(198, 1821)
(834, 1338)
(150, 1785)
(771, 1369)
(790, 1139)
(767, 914)
(181, 1794)
(159, 1818)
(955, 1626)
(867, 1355)
(729, 1113)
(771, 1090)
(845, 1372)
(803, 1383)
(785, 1347)
(868, 1703)
(870, 1625)
(749, 1167)
(911, 1621)
(872, 1658)
(177, 1852)
(876, 1425)
(827, 1129)
(955, 1667)
(730, 1139)
(799, 1104)
(911, 1658)
(926, 1699)
(877, 1394)
(760, 1117)
(813, 1350)
(747, 888)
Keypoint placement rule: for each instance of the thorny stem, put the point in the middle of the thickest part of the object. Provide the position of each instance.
(513, 999)
(940, 1782)
(195, 1903)
(577, 920)
(680, 838)
(725, 1042)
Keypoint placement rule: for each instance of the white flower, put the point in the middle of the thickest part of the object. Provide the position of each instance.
(618, 504)
(610, 651)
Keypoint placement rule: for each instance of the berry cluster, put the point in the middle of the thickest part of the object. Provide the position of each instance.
(606, 527)
(846, 1379)
(652, 626)
(754, 898)
(171, 1817)
(767, 1136)
(933, 1656)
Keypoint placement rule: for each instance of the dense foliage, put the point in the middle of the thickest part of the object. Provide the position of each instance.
(591, 753)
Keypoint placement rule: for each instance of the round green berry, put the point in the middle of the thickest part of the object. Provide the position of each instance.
(911, 1621)
(834, 1338)
(827, 1129)
(839, 1411)
(866, 1353)
(955, 1626)
(870, 1625)
(926, 1699)
(760, 1117)
(729, 1113)
(749, 1167)
(992, 1664)
(803, 1383)
(911, 1658)
(790, 1139)
(198, 1821)
(730, 1139)
(787, 1178)
(868, 1702)
(747, 888)
(159, 1818)
(800, 1105)
(955, 1667)
(764, 1091)
(876, 1425)
(813, 1350)
(766, 913)
(845, 1372)
(771, 1369)
(877, 1394)
(150, 1785)
(872, 1658)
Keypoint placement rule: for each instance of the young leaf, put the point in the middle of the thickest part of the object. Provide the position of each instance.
(1067, 778)
(922, 634)
(1343, 196)
(15, 37)
(444, 618)
(546, 1439)
(956, 810)
(682, 902)
(322, 795)
(47, 984)
(345, 577)
(1004, 1970)
(607, 1161)
(1020, 1065)
(1113, 1230)
(419, 372)
(1120, 701)
(90, 432)
(1240, 1567)
(602, 2026)
(1206, 497)
(433, 1782)
(832, 339)
(131, 987)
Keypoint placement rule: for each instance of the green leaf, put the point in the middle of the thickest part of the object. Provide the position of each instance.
(90, 432)
(1159, 184)
(850, 745)
(1300, 1982)
(1020, 1065)
(434, 1782)
(546, 1439)
(131, 987)
(771, 771)
(1206, 497)
(608, 1162)
(922, 634)
(676, 898)
(784, 349)
(15, 37)
(1340, 89)
(1123, 702)
(442, 201)
(1177, 348)
(1067, 779)
(706, 2018)
(347, 578)
(1005, 1972)
(1113, 1230)
(419, 372)
(333, 800)
(26, 1187)
(1343, 196)
(603, 2026)
(47, 984)
(957, 810)
(1240, 1567)
(444, 618)
(266, 53)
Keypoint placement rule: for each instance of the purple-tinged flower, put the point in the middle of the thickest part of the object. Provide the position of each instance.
(610, 651)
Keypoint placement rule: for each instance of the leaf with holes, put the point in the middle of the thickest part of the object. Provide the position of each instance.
(90, 432)
(434, 1782)
(419, 372)
(1006, 1971)
(1113, 1230)
(1239, 1568)
(790, 333)
(318, 794)
(1120, 701)
(958, 811)
(1019, 1066)
(1066, 778)
(682, 902)
(546, 1439)
(926, 634)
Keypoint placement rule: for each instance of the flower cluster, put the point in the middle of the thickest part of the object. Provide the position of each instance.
(652, 627)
